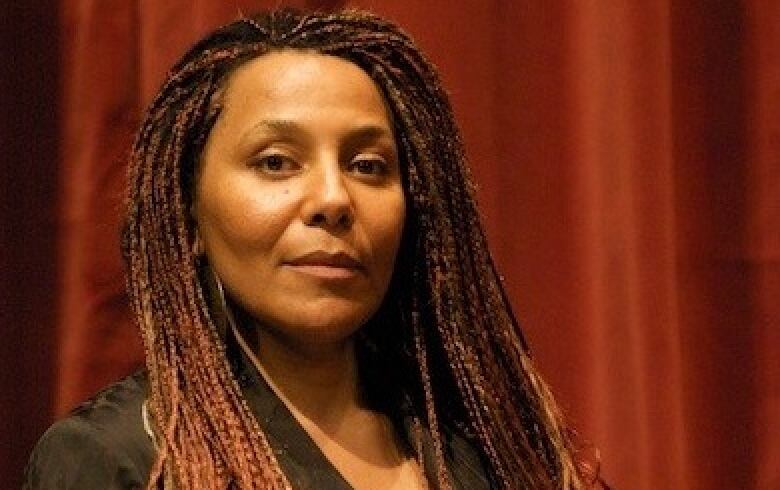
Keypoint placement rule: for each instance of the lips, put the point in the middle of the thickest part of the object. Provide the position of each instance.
(319, 258)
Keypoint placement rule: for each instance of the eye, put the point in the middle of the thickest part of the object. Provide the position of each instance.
(276, 164)
(369, 166)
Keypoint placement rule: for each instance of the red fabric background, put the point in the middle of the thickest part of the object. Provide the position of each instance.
(628, 162)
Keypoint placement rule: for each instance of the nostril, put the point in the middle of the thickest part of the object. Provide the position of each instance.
(318, 219)
(345, 220)
(342, 220)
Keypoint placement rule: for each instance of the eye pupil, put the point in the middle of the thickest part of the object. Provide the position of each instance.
(274, 162)
(369, 166)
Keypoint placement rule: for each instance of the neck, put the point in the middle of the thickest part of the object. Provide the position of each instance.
(319, 381)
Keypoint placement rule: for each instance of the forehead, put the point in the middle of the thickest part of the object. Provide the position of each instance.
(302, 83)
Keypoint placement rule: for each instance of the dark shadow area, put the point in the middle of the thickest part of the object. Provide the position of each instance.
(29, 100)
(711, 152)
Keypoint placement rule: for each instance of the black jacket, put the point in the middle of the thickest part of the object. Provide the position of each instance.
(103, 443)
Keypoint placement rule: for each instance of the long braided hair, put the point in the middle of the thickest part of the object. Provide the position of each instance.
(454, 345)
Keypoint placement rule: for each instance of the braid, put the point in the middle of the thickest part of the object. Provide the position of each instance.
(464, 358)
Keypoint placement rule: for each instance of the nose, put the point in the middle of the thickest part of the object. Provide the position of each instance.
(329, 204)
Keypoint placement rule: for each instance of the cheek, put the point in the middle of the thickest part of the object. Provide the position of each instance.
(244, 217)
(384, 229)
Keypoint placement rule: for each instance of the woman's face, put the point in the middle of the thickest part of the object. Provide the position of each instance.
(298, 200)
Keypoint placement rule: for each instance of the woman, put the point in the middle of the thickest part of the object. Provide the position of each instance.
(316, 297)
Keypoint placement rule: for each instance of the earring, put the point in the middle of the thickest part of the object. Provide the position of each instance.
(197, 247)
(223, 301)
(231, 323)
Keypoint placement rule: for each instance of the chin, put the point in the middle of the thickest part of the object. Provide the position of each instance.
(323, 321)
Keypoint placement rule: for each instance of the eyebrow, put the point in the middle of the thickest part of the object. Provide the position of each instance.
(289, 128)
(281, 126)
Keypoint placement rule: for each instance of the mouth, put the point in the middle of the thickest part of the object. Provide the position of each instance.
(325, 265)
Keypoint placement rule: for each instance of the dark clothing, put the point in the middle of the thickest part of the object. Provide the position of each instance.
(103, 443)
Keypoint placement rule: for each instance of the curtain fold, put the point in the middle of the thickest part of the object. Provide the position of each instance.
(627, 156)
(99, 113)
(763, 235)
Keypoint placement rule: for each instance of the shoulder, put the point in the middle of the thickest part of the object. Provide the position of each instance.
(101, 444)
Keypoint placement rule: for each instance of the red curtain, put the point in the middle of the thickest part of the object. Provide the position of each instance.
(628, 162)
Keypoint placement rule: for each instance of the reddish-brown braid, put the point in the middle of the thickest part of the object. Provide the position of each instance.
(455, 344)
